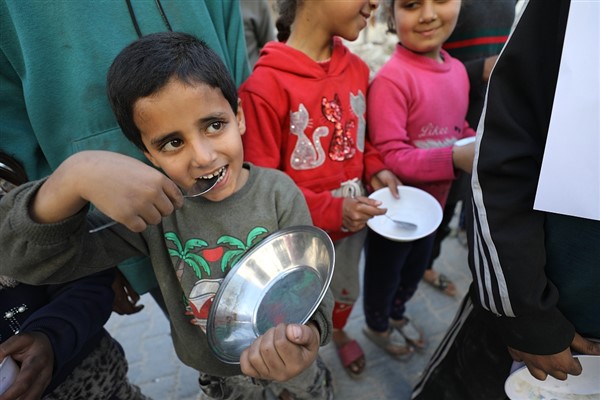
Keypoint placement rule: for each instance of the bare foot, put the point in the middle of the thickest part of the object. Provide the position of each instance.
(390, 341)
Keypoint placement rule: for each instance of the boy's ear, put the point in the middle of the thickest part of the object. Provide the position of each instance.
(151, 159)
(240, 118)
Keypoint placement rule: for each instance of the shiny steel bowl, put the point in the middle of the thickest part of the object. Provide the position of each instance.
(282, 279)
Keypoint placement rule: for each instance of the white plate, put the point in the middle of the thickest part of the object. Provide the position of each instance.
(414, 205)
(464, 141)
(8, 373)
(521, 385)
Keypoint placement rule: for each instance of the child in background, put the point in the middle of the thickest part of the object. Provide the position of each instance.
(418, 102)
(481, 31)
(259, 28)
(305, 111)
(175, 100)
(55, 332)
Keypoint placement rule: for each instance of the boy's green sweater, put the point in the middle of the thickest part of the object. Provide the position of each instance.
(191, 251)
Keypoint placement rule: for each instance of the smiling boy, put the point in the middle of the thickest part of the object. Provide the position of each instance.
(175, 100)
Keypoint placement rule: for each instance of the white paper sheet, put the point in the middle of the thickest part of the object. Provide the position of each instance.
(569, 181)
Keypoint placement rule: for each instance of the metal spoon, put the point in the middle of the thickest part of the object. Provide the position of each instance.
(403, 224)
(201, 187)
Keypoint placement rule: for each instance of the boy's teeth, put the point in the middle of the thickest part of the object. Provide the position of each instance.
(210, 176)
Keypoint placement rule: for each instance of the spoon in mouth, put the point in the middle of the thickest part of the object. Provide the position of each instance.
(202, 186)
(403, 224)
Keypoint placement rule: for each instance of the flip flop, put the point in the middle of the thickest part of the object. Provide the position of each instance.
(442, 283)
(413, 335)
(394, 343)
(349, 353)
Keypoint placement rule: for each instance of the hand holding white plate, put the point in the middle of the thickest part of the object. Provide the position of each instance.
(521, 385)
(414, 206)
(8, 373)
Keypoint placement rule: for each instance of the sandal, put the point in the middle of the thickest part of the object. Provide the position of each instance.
(440, 282)
(413, 335)
(393, 343)
(351, 354)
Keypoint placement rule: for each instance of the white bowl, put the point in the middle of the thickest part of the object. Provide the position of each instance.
(414, 205)
(281, 280)
(521, 385)
(8, 373)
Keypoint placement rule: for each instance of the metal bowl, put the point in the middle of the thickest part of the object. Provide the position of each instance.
(282, 279)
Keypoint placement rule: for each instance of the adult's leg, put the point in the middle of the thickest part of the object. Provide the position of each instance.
(470, 363)
(100, 375)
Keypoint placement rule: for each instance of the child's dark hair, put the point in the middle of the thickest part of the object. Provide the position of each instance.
(390, 17)
(148, 64)
(287, 13)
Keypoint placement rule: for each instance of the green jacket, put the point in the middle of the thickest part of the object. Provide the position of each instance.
(54, 56)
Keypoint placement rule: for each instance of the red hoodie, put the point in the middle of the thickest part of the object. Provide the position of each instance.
(308, 120)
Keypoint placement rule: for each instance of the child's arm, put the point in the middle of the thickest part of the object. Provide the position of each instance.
(356, 211)
(462, 157)
(122, 187)
(282, 352)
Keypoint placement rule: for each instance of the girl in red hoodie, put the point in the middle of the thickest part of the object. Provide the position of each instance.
(305, 109)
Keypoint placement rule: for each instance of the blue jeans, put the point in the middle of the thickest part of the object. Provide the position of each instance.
(392, 273)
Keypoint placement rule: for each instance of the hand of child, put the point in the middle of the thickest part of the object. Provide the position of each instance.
(356, 211)
(462, 157)
(386, 178)
(282, 352)
(558, 365)
(488, 65)
(126, 297)
(33, 352)
(125, 189)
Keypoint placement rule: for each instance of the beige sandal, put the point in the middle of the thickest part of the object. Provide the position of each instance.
(413, 334)
(392, 342)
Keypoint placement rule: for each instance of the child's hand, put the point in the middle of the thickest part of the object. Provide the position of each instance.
(356, 211)
(488, 65)
(126, 298)
(462, 157)
(558, 365)
(125, 189)
(386, 178)
(282, 352)
(33, 352)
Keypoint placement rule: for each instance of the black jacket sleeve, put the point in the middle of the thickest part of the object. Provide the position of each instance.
(74, 316)
(507, 253)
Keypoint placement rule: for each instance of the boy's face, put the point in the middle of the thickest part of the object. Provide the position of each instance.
(191, 132)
